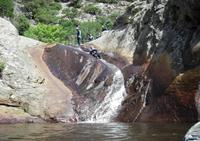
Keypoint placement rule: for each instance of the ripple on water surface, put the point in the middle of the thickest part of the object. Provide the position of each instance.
(93, 132)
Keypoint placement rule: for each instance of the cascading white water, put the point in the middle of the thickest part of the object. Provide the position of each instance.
(108, 109)
(143, 98)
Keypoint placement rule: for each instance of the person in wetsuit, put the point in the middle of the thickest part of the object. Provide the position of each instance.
(94, 52)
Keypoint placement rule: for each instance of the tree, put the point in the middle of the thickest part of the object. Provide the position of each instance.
(6, 8)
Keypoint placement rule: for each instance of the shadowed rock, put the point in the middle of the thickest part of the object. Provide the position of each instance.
(162, 35)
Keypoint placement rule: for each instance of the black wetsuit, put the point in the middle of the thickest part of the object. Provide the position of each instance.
(95, 54)
(79, 37)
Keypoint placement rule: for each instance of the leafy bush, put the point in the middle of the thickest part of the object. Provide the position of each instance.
(46, 16)
(33, 6)
(6, 8)
(2, 67)
(93, 28)
(68, 23)
(69, 31)
(75, 3)
(55, 6)
(92, 9)
(130, 0)
(65, 32)
(71, 12)
(22, 24)
(42, 11)
(107, 21)
(108, 1)
(46, 33)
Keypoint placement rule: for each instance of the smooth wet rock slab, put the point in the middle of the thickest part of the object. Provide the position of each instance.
(98, 87)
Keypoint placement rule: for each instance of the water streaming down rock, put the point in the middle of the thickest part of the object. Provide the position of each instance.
(108, 109)
(138, 88)
(197, 100)
(143, 97)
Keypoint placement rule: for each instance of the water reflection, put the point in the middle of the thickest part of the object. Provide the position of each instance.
(93, 132)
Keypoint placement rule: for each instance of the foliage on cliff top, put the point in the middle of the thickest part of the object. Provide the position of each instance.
(21, 23)
(70, 13)
(6, 8)
(2, 66)
(108, 1)
(64, 32)
(46, 33)
(42, 11)
(75, 3)
(92, 9)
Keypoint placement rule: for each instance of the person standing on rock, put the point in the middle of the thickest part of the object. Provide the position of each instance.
(78, 35)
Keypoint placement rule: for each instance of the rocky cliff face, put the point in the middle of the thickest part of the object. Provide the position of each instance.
(163, 36)
(21, 92)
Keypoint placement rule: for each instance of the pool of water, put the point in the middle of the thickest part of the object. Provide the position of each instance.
(93, 132)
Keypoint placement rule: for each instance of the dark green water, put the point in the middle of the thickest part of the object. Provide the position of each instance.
(93, 132)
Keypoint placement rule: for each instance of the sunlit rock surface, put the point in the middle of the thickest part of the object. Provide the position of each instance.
(26, 94)
(18, 87)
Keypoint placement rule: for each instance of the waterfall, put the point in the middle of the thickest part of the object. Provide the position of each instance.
(108, 109)
(143, 97)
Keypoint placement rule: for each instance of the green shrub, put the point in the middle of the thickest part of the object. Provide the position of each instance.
(65, 32)
(71, 12)
(108, 1)
(22, 24)
(2, 66)
(33, 6)
(68, 23)
(55, 6)
(130, 0)
(93, 28)
(42, 11)
(46, 33)
(6, 8)
(75, 3)
(107, 21)
(69, 31)
(92, 9)
(46, 16)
